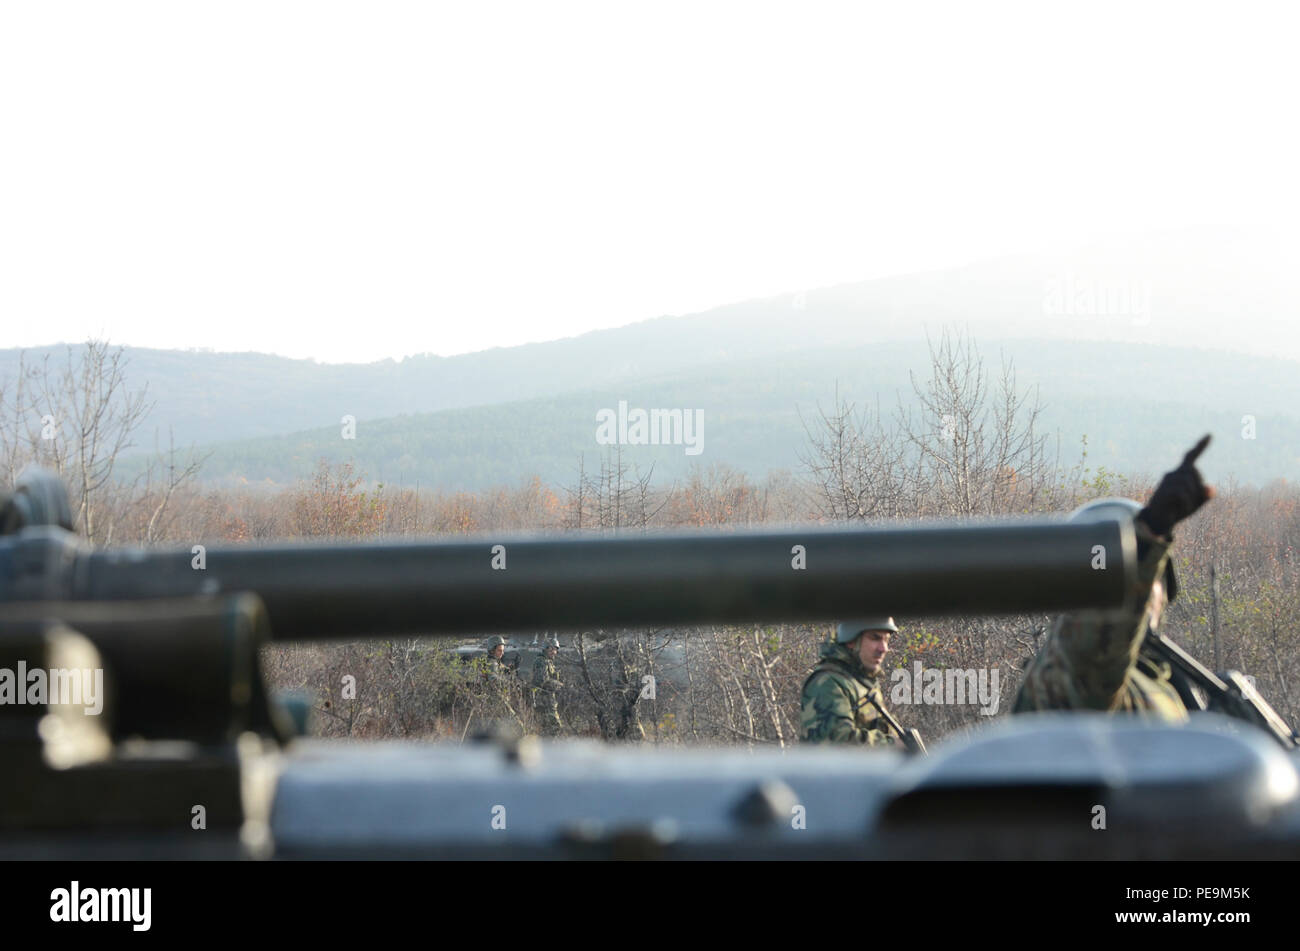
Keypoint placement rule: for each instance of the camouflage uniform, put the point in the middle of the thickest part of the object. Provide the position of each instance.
(836, 708)
(1094, 660)
(547, 684)
(498, 669)
(499, 680)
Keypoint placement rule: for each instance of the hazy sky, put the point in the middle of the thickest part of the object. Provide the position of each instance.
(352, 181)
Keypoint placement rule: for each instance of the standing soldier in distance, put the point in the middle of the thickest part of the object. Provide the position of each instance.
(1095, 660)
(838, 694)
(499, 679)
(496, 658)
(547, 687)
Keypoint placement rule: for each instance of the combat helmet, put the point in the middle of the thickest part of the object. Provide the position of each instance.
(1121, 508)
(495, 640)
(849, 630)
(551, 641)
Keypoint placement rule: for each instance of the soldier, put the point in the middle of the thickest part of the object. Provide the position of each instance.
(547, 687)
(496, 667)
(498, 671)
(500, 681)
(837, 695)
(1095, 660)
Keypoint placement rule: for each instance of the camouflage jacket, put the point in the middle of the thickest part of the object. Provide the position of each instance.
(1094, 660)
(545, 675)
(836, 708)
(498, 670)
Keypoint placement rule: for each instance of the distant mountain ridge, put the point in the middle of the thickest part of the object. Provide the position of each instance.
(1137, 405)
(1129, 323)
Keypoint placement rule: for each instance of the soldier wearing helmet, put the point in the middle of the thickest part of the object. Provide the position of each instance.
(500, 681)
(838, 695)
(496, 648)
(1094, 660)
(546, 688)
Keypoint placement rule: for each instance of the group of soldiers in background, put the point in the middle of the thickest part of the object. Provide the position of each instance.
(544, 685)
(1091, 660)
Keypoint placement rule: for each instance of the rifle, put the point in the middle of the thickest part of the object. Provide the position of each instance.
(911, 738)
(1232, 694)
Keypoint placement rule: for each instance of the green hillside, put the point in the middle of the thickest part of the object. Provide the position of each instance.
(1136, 404)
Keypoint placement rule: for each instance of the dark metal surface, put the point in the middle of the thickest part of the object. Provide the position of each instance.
(204, 686)
(322, 591)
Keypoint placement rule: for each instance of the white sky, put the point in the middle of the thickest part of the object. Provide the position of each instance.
(352, 181)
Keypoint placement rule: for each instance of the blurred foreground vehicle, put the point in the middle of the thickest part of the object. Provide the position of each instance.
(135, 722)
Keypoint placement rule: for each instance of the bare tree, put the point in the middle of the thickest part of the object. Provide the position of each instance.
(858, 465)
(619, 496)
(77, 419)
(619, 674)
(970, 447)
(165, 475)
(980, 444)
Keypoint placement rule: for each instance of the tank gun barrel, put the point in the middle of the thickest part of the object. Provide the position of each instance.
(318, 591)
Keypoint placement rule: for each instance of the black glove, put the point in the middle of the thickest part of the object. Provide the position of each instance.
(1179, 494)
